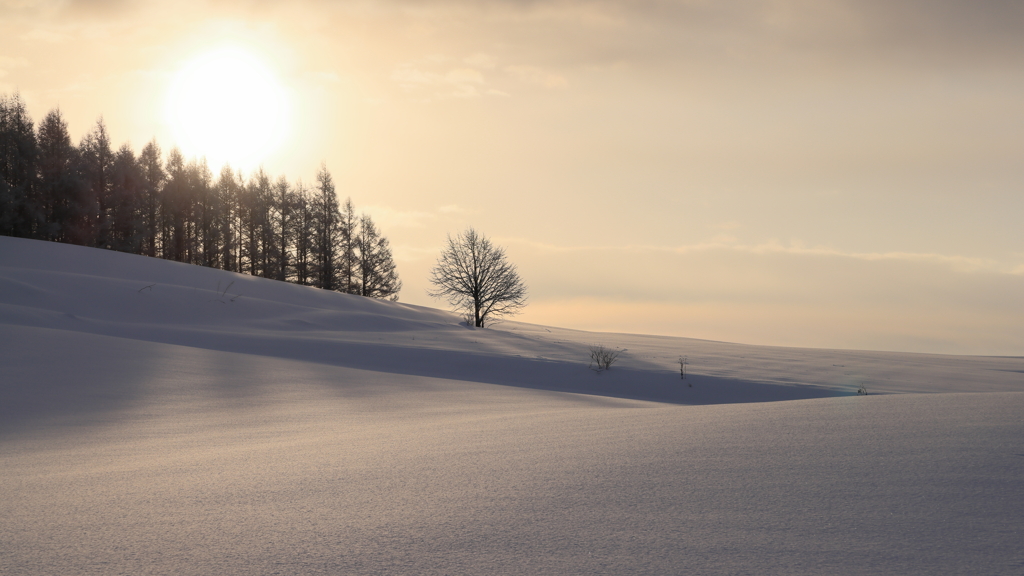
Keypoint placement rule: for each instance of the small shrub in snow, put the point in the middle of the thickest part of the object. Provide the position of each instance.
(862, 391)
(602, 358)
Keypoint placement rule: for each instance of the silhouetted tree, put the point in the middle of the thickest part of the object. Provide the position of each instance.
(268, 237)
(95, 204)
(20, 213)
(125, 213)
(327, 232)
(206, 240)
(377, 275)
(176, 206)
(152, 169)
(95, 196)
(348, 260)
(229, 191)
(283, 227)
(474, 276)
(303, 226)
(59, 180)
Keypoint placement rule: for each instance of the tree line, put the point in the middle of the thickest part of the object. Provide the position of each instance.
(176, 209)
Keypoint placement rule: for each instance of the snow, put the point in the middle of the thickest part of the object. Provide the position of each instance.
(159, 418)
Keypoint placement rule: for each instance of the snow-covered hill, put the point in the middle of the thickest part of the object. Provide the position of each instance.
(170, 419)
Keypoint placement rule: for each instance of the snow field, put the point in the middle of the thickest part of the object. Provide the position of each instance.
(170, 430)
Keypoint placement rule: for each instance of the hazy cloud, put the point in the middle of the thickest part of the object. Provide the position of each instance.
(459, 82)
(535, 75)
(480, 60)
(45, 35)
(13, 62)
(389, 217)
(955, 263)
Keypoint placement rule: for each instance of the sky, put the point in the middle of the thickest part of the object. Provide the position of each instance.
(834, 174)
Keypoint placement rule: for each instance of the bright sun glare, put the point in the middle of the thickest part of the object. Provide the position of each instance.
(226, 105)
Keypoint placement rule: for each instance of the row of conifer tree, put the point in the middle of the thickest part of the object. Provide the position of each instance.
(174, 208)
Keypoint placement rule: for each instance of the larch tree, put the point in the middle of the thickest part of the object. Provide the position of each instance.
(303, 226)
(175, 208)
(59, 179)
(327, 231)
(283, 222)
(227, 187)
(97, 166)
(154, 176)
(127, 182)
(19, 214)
(378, 277)
(348, 261)
(205, 210)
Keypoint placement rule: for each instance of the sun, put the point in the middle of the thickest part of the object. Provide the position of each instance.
(227, 106)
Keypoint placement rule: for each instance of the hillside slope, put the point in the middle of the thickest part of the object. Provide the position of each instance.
(76, 289)
(157, 418)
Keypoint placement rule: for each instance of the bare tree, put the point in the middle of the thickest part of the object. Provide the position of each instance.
(474, 276)
(602, 358)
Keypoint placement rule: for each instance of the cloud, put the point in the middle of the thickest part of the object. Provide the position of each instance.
(389, 217)
(480, 60)
(45, 35)
(466, 82)
(453, 83)
(538, 76)
(13, 62)
(464, 76)
(964, 264)
(799, 33)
